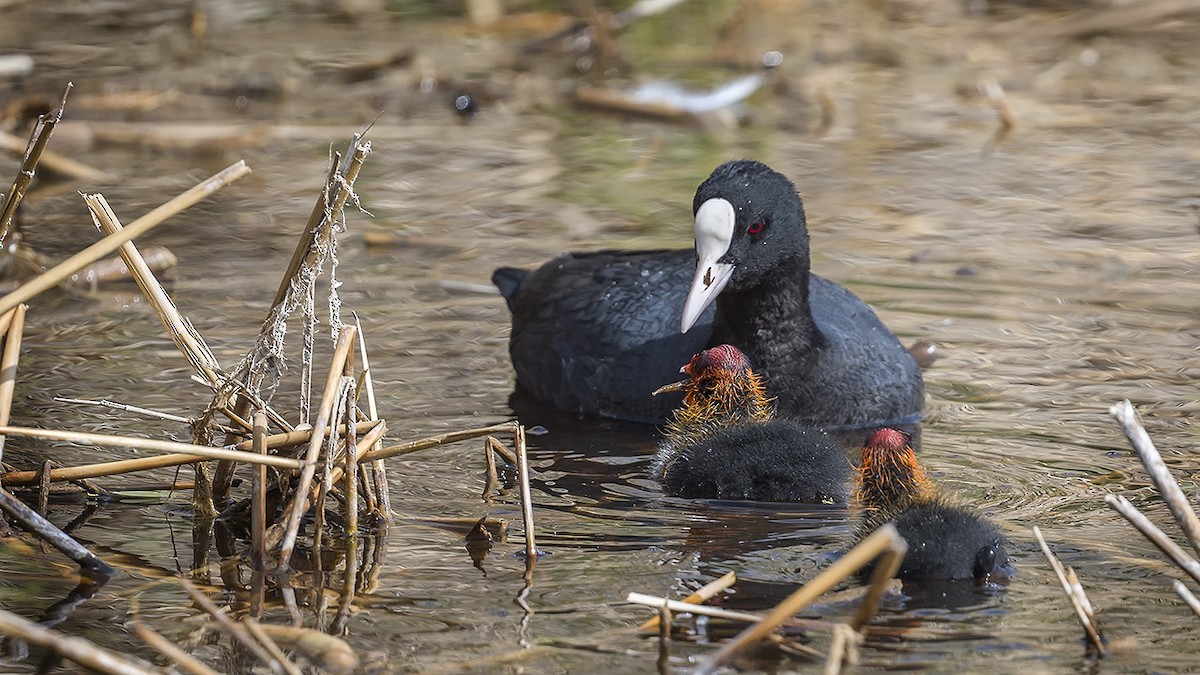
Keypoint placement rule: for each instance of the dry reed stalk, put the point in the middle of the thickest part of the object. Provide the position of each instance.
(881, 578)
(370, 438)
(531, 551)
(8, 365)
(178, 328)
(1075, 594)
(1156, 536)
(285, 536)
(378, 472)
(1187, 596)
(702, 594)
(198, 451)
(35, 523)
(184, 661)
(226, 626)
(76, 649)
(434, 441)
(275, 441)
(52, 161)
(112, 242)
(664, 639)
(255, 629)
(843, 648)
(33, 152)
(350, 508)
(1167, 487)
(258, 505)
(884, 539)
(6, 321)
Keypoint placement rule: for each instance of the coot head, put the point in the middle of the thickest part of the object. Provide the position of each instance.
(749, 223)
(889, 477)
(721, 389)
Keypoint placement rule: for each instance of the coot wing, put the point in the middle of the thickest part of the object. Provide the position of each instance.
(597, 332)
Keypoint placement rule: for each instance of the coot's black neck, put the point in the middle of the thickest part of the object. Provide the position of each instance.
(771, 322)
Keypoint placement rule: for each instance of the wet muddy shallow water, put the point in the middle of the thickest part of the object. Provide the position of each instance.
(1055, 269)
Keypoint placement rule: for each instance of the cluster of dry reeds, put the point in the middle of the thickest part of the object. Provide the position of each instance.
(324, 467)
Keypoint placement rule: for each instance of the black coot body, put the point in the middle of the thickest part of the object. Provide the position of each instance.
(595, 333)
(776, 461)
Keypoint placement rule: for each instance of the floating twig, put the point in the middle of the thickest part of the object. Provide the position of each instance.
(531, 551)
(702, 594)
(1159, 473)
(112, 242)
(1076, 595)
(76, 649)
(884, 539)
(35, 523)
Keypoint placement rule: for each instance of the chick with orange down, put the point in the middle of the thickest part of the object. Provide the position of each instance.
(724, 443)
(945, 541)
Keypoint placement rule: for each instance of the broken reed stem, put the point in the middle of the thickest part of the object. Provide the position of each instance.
(526, 498)
(197, 451)
(76, 649)
(351, 477)
(664, 638)
(52, 161)
(112, 242)
(884, 539)
(378, 472)
(258, 504)
(1156, 536)
(291, 527)
(33, 153)
(125, 407)
(276, 441)
(223, 623)
(189, 344)
(328, 207)
(1187, 596)
(370, 438)
(1159, 473)
(702, 594)
(255, 629)
(691, 608)
(434, 441)
(8, 365)
(184, 661)
(843, 648)
(34, 522)
(1075, 594)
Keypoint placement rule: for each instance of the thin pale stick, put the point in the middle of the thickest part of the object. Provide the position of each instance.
(180, 658)
(5, 321)
(1156, 536)
(76, 649)
(112, 242)
(137, 410)
(275, 441)
(434, 441)
(678, 606)
(664, 639)
(883, 539)
(51, 160)
(1187, 596)
(152, 444)
(843, 648)
(287, 537)
(1092, 630)
(378, 472)
(1159, 473)
(8, 366)
(702, 594)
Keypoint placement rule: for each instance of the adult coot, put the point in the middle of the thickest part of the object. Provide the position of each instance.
(945, 541)
(595, 332)
(723, 443)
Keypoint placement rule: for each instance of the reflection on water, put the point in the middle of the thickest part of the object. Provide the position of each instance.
(1055, 270)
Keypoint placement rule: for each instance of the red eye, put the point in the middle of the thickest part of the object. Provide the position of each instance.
(755, 227)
